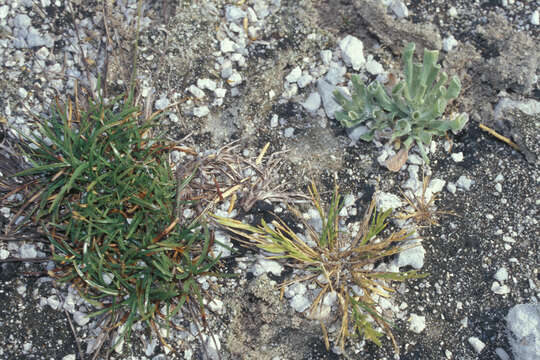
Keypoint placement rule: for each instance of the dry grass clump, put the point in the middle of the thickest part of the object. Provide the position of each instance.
(345, 263)
(227, 174)
(423, 211)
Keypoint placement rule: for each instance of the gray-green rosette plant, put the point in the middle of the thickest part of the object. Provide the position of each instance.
(411, 112)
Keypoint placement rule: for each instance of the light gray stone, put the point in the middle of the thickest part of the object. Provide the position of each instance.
(326, 90)
(352, 52)
(313, 102)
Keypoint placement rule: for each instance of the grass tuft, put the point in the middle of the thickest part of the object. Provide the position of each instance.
(107, 201)
(423, 211)
(345, 264)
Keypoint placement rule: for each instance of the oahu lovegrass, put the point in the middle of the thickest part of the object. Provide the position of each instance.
(347, 264)
(107, 202)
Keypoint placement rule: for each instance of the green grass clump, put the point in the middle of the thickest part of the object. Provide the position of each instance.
(412, 111)
(108, 203)
(346, 263)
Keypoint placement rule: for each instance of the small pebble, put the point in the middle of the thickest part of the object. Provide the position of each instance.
(464, 183)
(274, 121)
(201, 111)
(294, 75)
(499, 289)
(535, 18)
(477, 344)
(502, 354)
(501, 275)
(418, 323)
(313, 102)
(352, 52)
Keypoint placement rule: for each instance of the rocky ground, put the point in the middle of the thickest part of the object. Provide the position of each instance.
(262, 71)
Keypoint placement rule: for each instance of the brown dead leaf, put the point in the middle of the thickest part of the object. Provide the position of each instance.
(395, 162)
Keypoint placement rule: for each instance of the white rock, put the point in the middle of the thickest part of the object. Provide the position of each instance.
(235, 28)
(452, 12)
(81, 318)
(387, 201)
(352, 52)
(535, 18)
(220, 92)
(501, 275)
(477, 344)
(349, 200)
(335, 73)
(213, 347)
(216, 305)
(206, 84)
(223, 244)
(464, 183)
(27, 251)
(451, 188)
(261, 8)
(252, 16)
(21, 290)
(415, 159)
(529, 107)
(417, 323)
(162, 103)
(297, 288)
(300, 303)
(239, 59)
(22, 21)
(35, 39)
(326, 56)
(264, 266)
(4, 254)
(69, 357)
(196, 91)
(227, 45)
(274, 121)
(502, 354)
(313, 102)
(399, 9)
(373, 67)
(449, 43)
(235, 79)
(411, 257)
(42, 53)
(5, 211)
(499, 289)
(234, 14)
(435, 186)
(289, 132)
(53, 302)
(4, 10)
(304, 80)
(326, 90)
(294, 75)
(457, 157)
(226, 69)
(201, 111)
(291, 89)
(523, 321)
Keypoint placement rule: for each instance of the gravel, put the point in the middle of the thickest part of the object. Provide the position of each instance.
(236, 78)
